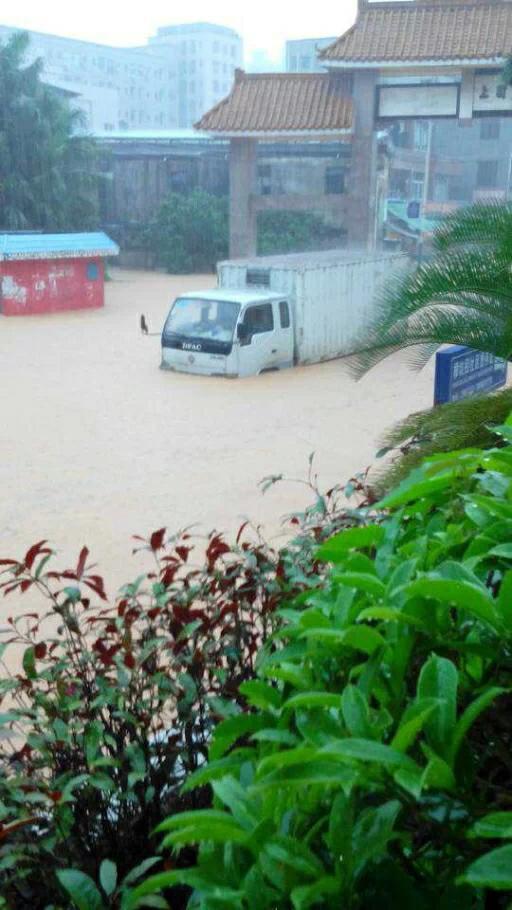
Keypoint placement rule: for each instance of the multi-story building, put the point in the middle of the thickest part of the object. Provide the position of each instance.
(207, 56)
(118, 88)
(302, 55)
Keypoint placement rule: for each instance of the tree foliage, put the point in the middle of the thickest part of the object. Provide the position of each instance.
(47, 169)
(462, 296)
(190, 232)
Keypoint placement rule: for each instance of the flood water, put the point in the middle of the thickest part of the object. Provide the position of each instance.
(98, 444)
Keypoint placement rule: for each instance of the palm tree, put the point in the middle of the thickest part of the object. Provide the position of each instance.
(462, 296)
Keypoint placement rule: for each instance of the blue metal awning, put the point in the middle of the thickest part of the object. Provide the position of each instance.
(56, 246)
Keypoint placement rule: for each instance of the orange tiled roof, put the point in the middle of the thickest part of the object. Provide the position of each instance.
(424, 30)
(281, 103)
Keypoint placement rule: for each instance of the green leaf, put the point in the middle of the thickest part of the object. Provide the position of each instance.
(141, 870)
(388, 614)
(439, 680)
(504, 601)
(363, 581)
(360, 638)
(493, 870)
(185, 819)
(226, 832)
(81, 889)
(280, 737)
(309, 774)
(260, 695)
(29, 663)
(470, 715)
(496, 825)
(306, 896)
(460, 594)
(108, 876)
(294, 853)
(366, 750)
(504, 551)
(356, 712)
(233, 729)
(215, 770)
(313, 700)
(335, 549)
(416, 487)
(372, 833)
(412, 723)
(231, 793)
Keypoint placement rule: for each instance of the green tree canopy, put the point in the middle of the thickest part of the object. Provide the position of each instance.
(47, 164)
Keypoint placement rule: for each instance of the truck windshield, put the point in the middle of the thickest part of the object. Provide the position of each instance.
(193, 317)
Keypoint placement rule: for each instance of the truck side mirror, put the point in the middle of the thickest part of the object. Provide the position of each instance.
(242, 331)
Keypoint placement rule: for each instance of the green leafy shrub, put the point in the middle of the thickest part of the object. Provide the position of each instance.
(107, 707)
(372, 763)
(294, 232)
(190, 232)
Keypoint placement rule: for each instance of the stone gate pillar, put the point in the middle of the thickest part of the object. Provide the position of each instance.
(242, 184)
(362, 183)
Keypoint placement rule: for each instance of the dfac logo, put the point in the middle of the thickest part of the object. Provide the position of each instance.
(188, 346)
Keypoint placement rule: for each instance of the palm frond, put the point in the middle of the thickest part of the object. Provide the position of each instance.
(488, 225)
(463, 296)
(459, 425)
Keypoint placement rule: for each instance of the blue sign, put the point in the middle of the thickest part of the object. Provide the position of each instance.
(462, 372)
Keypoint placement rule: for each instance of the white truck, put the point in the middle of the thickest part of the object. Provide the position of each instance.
(272, 312)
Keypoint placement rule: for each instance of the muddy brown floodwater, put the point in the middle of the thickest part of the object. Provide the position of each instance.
(98, 444)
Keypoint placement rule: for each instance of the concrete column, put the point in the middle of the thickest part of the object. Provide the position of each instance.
(362, 182)
(242, 184)
(466, 96)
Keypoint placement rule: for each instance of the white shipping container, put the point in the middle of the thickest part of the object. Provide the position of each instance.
(332, 294)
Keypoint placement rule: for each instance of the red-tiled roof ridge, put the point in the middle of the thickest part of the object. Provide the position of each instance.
(403, 31)
(262, 103)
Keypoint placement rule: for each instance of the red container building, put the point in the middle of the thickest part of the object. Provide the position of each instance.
(48, 273)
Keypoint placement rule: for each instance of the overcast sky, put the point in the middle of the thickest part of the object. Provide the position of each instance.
(264, 24)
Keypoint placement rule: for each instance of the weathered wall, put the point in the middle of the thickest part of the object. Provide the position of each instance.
(37, 286)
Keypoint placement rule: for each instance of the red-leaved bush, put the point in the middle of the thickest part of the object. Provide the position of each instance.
(108, 706)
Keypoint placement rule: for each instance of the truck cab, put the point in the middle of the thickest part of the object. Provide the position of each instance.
(229, 333)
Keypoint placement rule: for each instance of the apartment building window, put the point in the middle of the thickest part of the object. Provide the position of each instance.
(421, 135)
(216, 86)
(215, 47)
(487, 175)
(305, 63)
(294, 63)
(490, 128)
(417, 185)
(233, 52)
(334, 180)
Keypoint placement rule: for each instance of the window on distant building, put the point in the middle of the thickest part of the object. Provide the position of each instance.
(421, 135)
(490, 128)
(334, 180)
(265, 179)
(215, 47)
(305, 63)
(441, 188)
(417, 185)
(293, 63)
(487, 175)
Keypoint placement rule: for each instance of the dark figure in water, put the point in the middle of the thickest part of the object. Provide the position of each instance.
(143, 325)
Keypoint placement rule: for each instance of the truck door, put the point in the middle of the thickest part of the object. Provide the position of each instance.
(258, 345)
(283, 347)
